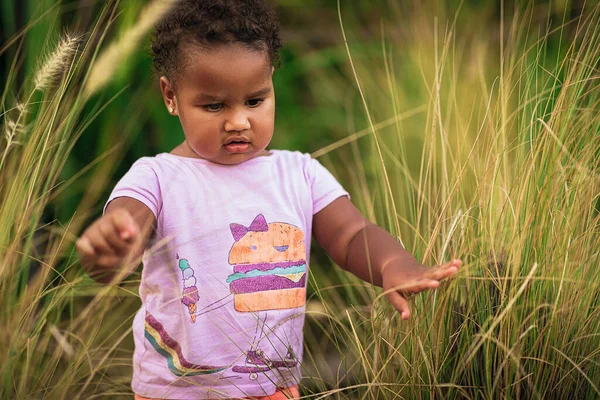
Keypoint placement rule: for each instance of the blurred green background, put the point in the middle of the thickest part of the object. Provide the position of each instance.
(318, 102)
(317, 97)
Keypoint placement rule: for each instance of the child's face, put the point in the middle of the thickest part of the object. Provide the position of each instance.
(225, 101)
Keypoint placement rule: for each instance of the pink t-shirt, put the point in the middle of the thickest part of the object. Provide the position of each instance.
(223, 286)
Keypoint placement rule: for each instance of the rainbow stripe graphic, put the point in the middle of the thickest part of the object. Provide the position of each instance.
(166, 346)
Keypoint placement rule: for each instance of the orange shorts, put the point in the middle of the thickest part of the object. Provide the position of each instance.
(280, 394)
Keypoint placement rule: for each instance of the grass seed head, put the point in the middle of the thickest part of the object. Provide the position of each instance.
(58, 62)
(13, 128)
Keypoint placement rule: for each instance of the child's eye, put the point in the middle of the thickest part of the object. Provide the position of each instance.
(254, 102)
(213, 107)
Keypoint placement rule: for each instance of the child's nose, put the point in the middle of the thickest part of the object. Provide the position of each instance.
(237, 120)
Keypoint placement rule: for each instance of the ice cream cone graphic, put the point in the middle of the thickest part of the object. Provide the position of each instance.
(190, 291)
(192, 310)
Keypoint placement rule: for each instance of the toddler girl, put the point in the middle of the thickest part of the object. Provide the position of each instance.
(225, 225)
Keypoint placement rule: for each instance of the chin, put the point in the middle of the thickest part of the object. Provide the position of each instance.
(233, 159)
(238, 158)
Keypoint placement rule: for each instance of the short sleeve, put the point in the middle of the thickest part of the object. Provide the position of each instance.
(325, 188)
(140, 183)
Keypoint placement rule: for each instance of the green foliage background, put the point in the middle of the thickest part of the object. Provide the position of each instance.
(317, 98)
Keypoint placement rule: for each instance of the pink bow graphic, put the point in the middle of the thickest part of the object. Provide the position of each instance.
(258, 225)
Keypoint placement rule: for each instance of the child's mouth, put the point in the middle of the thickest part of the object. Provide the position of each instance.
(237, 147)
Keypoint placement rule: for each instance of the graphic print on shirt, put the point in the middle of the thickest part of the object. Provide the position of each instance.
(166, 346)
(269, 266)
(190, 291)
(256, 361)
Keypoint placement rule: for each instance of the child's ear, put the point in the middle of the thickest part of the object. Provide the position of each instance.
(168, 94)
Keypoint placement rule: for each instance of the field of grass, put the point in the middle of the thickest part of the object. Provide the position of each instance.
(468, 131)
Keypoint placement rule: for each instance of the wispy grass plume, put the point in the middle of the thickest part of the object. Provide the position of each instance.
(108, 62)
(58, 62)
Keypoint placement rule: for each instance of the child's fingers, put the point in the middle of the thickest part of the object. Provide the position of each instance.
(416, 286)
(84, 246)
(85, 249)
(105, 267)
(400, 304)
(454, 263)
(443, 271)
(111, 235)
(109, 262)
(439, 274)
(98, 240)
(124, 224)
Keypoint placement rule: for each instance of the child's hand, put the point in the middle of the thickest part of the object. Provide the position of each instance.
(104, 245)
(400, 281)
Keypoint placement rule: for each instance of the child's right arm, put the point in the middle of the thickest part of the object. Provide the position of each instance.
(121, 234)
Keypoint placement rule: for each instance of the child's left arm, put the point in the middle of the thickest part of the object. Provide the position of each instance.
(369, 252)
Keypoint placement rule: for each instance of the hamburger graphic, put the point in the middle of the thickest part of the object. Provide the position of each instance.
(269, 266)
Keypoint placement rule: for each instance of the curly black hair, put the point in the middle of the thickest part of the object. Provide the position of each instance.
(252, 23)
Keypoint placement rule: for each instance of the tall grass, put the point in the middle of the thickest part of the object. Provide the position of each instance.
(465, 140)
(51, 341)
(501, 168)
